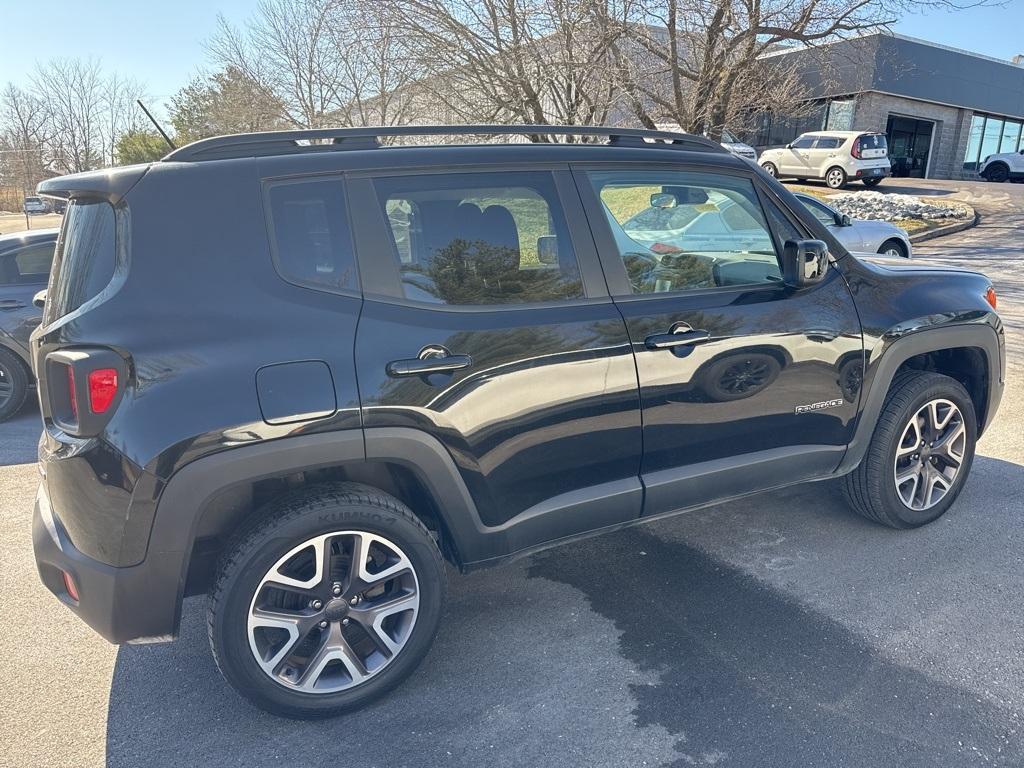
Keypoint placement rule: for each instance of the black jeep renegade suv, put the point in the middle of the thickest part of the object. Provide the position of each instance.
(301, 370)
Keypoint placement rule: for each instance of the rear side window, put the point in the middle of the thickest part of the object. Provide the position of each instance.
(29, 265)
(479, 238)
(85, 258)
(827, 142)
(310, 235)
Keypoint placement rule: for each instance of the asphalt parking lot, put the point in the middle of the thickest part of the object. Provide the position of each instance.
(775, 631)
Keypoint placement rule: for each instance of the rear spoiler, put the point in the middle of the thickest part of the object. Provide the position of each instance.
(111, 184)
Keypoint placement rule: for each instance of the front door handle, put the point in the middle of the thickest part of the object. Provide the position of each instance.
(11, 304)
(679, 335)
(431, 359)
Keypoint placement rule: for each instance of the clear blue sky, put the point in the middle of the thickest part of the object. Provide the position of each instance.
(161, 43)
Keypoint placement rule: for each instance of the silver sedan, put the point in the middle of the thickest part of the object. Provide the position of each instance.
(860, 235)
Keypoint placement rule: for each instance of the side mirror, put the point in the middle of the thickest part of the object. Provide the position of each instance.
(804, 262)
(547, 249)
(39, 300)
(663, 200)
(845, 220)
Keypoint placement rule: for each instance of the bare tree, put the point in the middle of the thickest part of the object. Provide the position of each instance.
(224, 102)
(23, 119)
(74, 93)
(528, 61)
(701, 63)
(288, 49)
(119, 113)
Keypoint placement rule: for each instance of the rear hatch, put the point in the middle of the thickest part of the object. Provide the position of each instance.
(871, 146)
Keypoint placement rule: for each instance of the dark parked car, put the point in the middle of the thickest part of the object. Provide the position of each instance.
(299, 371)
(24, 268)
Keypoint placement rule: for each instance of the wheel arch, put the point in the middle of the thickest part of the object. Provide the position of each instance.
(969, 353)
(205, 502)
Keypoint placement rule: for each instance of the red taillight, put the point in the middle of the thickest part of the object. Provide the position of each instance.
(990, 297)
(855, 148)
(72, 393)
(70, 586)
(102, 389)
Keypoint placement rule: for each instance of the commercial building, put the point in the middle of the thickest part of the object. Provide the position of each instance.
(943, 109)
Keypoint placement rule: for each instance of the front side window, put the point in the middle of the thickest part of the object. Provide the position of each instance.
(28, 265)
(479, 238)
(678, 231)
(820, 211)
(310, 236)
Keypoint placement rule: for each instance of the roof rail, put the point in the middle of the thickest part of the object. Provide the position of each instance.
(293, 142)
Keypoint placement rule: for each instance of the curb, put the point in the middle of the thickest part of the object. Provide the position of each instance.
(948, 229)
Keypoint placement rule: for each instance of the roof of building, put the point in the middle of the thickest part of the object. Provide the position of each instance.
(912, 68)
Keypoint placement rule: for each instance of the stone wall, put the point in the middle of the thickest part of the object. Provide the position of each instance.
(949, 136)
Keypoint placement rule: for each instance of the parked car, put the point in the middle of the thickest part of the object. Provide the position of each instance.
(1005, 166)
(313, 374)
(738, 148)
(24, 268)
(860, 235)
(36, 205)
(835, 156)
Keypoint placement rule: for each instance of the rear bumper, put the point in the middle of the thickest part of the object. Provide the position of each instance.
(135, 604)
(873, 173)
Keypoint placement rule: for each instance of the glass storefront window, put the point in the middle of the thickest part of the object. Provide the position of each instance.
(974, 143)
(1011, 136)
(840, 115)
(990, 138)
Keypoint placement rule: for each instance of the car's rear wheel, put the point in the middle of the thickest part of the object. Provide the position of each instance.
(14, 384)
(872, 182)
(835, 177)
(328, 600)
(894, 249)
(998, 172)
(920, 453)
(770, 169)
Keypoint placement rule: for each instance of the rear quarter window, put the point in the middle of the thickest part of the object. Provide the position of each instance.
(310, 237)
(86, 255)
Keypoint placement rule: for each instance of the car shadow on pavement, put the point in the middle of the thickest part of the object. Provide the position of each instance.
(19, 435)
(630, 649)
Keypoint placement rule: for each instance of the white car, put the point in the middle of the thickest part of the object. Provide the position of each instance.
(860, 235)
(737, 147)
(1006, 166)
(835, 156)
(35, 205)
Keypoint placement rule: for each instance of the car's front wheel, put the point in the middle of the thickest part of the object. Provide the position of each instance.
(770, 169)
(997, 172)
(894, 249)
(920, 453)
(330, 598)
(14, 384)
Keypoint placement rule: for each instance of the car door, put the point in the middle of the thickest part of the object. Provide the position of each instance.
(745, 383)
(796, 158)
(23, 273)
(849, 236)
(823, 154)
(487, 325)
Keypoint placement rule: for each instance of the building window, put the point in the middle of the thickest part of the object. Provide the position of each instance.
(840, 115)
(989, 136)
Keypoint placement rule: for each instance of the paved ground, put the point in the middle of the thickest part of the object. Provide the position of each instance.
(777, 631)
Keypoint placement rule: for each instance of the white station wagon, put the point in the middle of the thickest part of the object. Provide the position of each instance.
(835, 156)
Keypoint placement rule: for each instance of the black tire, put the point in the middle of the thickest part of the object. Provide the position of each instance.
(801, 179)
(738, 376)
(997, 172)
(872, 182)
(835, 177)
(14, 384)
(771, 169)
(894, 245)
(275, 531)
(871, 488)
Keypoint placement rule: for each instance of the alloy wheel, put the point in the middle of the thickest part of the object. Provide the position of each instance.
(930, 453)
(333, 612)
(835, 178)
(6, 386)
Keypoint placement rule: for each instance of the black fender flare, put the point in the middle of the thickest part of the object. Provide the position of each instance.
(880, 373)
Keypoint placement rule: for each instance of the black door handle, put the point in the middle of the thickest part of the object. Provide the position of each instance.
(431, 359)
(11, 304)
(679, 335)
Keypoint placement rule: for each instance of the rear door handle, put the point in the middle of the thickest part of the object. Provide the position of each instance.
(431, 359)
(679, 335)
(11, 304)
